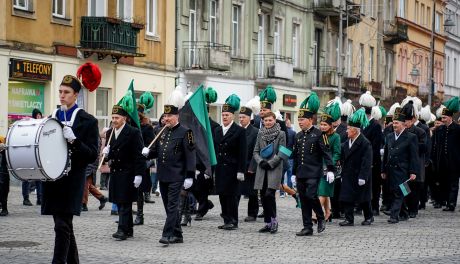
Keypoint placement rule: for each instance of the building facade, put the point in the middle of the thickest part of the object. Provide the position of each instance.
(42, 41)
(452, 80)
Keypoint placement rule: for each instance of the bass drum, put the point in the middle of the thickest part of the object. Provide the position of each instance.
(37, 150)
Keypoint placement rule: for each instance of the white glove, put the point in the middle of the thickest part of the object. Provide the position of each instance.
(330, 177)
(68, 133)
(382, 151)
(206, 176)
(188, 183)
(240, 176)
(2, 147)
(137, 181)
(145, 151)
(106, 150)
(293, 179)
(361, 182)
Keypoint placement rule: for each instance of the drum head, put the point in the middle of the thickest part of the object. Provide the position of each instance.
(52, 149)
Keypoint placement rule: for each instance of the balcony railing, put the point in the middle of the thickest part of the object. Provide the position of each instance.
(324, 76)
(109, 36)
(332, 8)
(273, 66)
(352, 85)
(375, 88)
(203, 55)
(395, 32)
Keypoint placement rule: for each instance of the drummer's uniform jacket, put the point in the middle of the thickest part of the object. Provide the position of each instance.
(175, 154)
(126, 161)
(64, 195)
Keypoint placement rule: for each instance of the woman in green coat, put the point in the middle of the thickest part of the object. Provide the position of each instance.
(326, 188)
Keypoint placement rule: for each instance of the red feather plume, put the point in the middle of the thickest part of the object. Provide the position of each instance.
(90, 75)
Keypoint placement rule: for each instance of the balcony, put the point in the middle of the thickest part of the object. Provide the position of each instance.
(109, 36)
(375, 88)
(273, 66)
(352, 85)
(203, 55)
(324, 77)
(331, 8)
(395, 32)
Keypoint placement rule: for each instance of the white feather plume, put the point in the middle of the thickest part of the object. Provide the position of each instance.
(439, 111)
(418, 103)
(189, 94)
(367, 100)
(347, 109)
(391, 111)
(177, 97)
(254, 105)
(278, 115)
(425, 113)
(376, 113)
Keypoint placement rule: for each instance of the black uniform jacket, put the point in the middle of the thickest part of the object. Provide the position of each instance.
(356, 165)
(341, 130)
(147, 137)
(247, 187)
(310, 150)
(175, 154)
(374, 134)
(126, 162)
(400, 158)
(64, 195)
(446, 150)
(231, 152)
(422, 149)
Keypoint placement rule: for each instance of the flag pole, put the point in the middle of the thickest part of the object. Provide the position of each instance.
(103, 155)
(155, 139)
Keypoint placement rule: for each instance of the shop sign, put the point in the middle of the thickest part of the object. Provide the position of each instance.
(32, 70)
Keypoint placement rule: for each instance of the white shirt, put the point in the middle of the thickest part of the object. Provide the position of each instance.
(352, 140)
(118, 131)
(226, 128)
(397, 136)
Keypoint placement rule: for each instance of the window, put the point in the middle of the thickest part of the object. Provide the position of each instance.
(361, 60)
(416, 18)
(428, 17)
(97, 8)
(102, 108)
(371, 63)
(402, 8)
(261, 45)
(363, 7)
(236, 13)
(192, 31)
(372, 7)
(151, 28)
(388, 69)
(437, 22)
(59, 8)
(455, 72)
(295, 44)
(349, 58)
(422, 15)
(21, 4)
(125, 10)
(213, 21)
(277, 37)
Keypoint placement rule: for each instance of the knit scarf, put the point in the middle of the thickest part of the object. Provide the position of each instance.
(269, 134)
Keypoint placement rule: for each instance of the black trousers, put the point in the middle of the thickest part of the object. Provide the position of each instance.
(268, 202)
(140, 203)
(65, 246)
(253, 205)
(413, 198)
(398, 207)
(349, 210)
(453, 190)
(170, 194)
(125, 217)
(387, 195)
(336, 205)
(377, 183)
(308, 193)
(229, 205)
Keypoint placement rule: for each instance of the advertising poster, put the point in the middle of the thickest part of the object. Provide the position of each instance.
(23, 97)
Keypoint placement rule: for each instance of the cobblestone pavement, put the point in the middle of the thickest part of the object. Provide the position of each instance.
(431, 238)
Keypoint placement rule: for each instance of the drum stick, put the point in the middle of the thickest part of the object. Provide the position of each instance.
(103, 155)
(64, 109)
(155, 139)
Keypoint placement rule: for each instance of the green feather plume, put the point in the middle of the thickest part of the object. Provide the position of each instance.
(360, 117)
(211, 95)
(268, 94)
(383, 110)
(127, 102)
(234, 101)
(333, 110)
(147, 100)
(311, 103)
(453, 104)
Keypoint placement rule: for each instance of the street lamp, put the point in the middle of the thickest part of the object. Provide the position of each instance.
(414, 74)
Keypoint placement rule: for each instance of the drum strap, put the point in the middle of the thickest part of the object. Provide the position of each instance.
(72, 119)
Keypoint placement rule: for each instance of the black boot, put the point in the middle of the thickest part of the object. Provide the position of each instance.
(147, 198)
(84, 207)
(140, 209)
(184, 210)
(4, 211)
(102, 201)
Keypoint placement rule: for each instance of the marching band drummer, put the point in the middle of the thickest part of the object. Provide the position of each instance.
(62, 198)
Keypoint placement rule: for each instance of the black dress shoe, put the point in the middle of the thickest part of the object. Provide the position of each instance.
(120, 235)
(305, 232)
(176, 240)
(84, 207)
(198, 217)
(321, 225)
(129, 234)
(367, 221)
(412, 215)
(274, 228)
(27, 202)
(250, 219)
(449, 209)
(403, 218)
(229, 227)
(265, 229)
(346, 223)
(102, 202)
(387, 212)
(164, 240)
(4, 212)
(139, 220)
(221, 226)
(393, 221)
